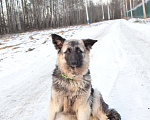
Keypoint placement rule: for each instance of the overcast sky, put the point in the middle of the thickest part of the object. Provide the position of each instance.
(102, 0)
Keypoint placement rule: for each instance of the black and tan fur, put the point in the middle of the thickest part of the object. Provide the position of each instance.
(73, 98)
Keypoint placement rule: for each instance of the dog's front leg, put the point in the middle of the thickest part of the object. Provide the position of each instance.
(84, 112)
(53, 109)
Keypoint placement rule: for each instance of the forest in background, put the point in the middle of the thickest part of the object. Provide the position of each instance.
(25, 15)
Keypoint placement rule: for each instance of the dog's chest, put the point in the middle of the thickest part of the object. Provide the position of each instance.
(70, 94)
(69, 105)
(71, 88)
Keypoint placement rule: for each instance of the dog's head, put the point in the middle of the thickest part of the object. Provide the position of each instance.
(73, 55)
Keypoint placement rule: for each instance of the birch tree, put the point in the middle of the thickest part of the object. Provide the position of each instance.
(24, 15)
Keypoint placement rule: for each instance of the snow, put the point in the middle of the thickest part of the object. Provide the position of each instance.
(141, 21)
(119, 65)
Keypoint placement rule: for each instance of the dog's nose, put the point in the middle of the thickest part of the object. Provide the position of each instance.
(74, 62)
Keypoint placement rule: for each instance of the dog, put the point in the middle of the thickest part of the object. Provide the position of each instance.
(72, 95)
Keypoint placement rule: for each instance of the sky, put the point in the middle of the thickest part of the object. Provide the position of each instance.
(105, 1)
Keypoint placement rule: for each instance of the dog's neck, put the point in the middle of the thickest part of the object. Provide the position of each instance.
(67, 78)
(74, 73)
(71, 75)
(71, 79)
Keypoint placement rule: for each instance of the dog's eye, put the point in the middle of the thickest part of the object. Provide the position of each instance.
(78, 50)
(68, 51)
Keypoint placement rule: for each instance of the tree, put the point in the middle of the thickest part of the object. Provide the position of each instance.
(115, 7)
(24, 15)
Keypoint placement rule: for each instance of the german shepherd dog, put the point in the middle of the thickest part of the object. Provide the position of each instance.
(72, 95)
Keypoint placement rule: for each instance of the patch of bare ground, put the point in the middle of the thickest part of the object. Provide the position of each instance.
(31, 37)
(9, 46)
(126, 18)
(30, 49)
(44, 42)
(15, 48)
(60, 32)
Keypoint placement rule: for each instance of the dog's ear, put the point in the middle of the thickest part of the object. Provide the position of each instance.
(89, 43)
(57, 41)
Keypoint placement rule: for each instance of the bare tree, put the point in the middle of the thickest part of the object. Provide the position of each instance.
(24, 15)
(3, 24)
(115, 9)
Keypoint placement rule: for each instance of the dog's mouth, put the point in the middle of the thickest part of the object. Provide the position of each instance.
(73, 66)
(73, 70)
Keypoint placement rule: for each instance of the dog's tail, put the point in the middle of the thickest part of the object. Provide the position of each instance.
(112, 114)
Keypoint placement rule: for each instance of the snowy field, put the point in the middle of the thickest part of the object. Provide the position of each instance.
(120, 69)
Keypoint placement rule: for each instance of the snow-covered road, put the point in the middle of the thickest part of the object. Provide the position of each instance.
(120, 69)
(124, 64)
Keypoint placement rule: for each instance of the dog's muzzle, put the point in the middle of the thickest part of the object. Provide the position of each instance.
(73, 63)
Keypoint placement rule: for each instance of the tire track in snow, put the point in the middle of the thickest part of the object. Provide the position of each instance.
(130, 93)
(105, 61)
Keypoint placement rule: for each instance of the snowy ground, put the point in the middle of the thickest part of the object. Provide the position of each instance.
(139, 20)
(120, 69)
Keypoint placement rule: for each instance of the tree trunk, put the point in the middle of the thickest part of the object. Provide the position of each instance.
(3, 20)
